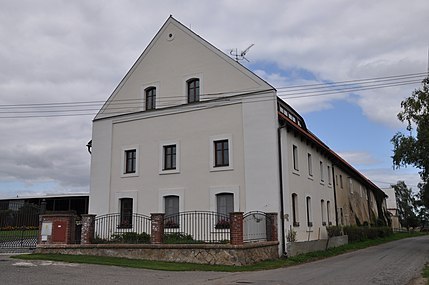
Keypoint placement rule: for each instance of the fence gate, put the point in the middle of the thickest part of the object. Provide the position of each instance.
(19, 228)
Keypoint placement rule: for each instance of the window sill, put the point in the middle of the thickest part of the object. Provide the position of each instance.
(221, 168)
(322, 183)
(296, 172)
(169, 171)
(310, 177)
(125, 175)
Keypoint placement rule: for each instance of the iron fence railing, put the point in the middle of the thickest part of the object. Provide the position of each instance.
(196, 227)
(117, 228)
(255, 226)
(183, 227)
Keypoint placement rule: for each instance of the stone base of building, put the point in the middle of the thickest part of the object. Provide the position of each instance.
(216, 254)
(295, 248)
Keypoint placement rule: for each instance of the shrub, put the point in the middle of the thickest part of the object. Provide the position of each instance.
(362, 233)
(291, 235)
(334, 231)
(178, 238)
(130, 237)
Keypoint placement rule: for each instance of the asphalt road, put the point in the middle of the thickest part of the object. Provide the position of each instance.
(392, 263)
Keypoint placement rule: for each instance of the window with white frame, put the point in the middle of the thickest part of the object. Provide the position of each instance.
(130, 161)
(150, 98)
(309, 218)
(295, 218)
(310, 164)
(126, 213)
(171, 210)
(351, 185)
(224, 206)
(322, 209)
(328, 212)
(329, 175)
(193, 90)
(295, 157)
(221, 155)
(169, 157)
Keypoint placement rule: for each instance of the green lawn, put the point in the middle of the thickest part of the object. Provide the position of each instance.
(171, 266)
(13, 235)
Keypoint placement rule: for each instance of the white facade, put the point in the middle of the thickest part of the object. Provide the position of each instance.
(246, 119)
(135, 137)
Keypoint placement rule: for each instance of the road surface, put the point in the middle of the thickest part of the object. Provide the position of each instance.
(392, 263)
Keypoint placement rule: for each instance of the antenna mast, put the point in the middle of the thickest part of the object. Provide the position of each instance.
(242, 55)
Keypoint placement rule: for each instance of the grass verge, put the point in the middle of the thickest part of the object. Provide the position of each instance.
(425, 273)
(172, 266)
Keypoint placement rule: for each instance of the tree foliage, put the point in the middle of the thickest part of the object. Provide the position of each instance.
(413, 149)
(406, 204)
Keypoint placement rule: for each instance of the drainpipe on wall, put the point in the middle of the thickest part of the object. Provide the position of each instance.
(282, 212)
(335, 194)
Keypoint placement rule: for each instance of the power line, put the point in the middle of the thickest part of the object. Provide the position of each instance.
(61, 109)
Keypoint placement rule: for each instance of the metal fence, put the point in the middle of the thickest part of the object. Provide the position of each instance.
(117, 228)
(183, 227)
(19, 228)
(255, 226)
(196, 227)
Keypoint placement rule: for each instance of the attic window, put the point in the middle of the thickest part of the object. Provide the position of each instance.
(193, 90)
(150, 98)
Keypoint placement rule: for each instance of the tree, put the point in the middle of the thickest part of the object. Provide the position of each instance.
(414, 149)
(406, 204)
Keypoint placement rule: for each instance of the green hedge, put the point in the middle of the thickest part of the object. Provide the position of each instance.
(362, 233)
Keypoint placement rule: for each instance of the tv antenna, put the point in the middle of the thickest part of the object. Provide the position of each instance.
(240, 55)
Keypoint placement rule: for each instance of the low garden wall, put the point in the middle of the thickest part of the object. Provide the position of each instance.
(295, 248)
(219, 254)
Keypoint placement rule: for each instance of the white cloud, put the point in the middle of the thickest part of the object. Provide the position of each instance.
(68, 51)
(358, 158)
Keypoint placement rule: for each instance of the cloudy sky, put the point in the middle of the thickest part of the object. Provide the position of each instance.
(77, 51)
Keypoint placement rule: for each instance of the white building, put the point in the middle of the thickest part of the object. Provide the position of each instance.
(189, 128)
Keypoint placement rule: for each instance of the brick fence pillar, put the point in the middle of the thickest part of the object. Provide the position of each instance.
(157, 228)
(236, 228)
(57, 229)
(88, 227)
(272, 229)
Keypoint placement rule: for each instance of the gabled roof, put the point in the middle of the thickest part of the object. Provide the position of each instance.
(162, 34)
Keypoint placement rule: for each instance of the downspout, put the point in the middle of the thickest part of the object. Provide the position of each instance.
(282, 212)
(335, 194)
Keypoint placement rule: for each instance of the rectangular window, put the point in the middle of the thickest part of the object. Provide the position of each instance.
(322, 178)
(322, 208)
(171, 211)
(328, 210)
(329, 175)
(351, 185)
(309, 219)
(310, 165)
(295, 210)
(126, 213)
(295, 157)
(130, 161)
(169, 157)
(221, 149)
(341, 181)
(150, 98)
(193, 90)
(225, 206)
